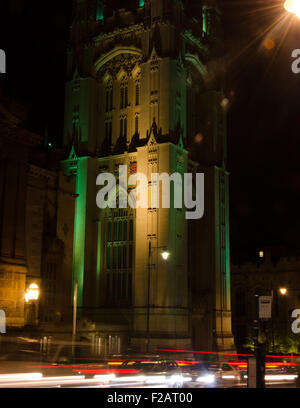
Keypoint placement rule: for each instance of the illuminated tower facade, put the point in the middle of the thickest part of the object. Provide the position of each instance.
(137, 78)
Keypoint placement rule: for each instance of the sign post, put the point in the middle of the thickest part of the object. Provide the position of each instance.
(265, 307)
(256, 369)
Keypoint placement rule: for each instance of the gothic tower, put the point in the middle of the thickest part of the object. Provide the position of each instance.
(139, 90)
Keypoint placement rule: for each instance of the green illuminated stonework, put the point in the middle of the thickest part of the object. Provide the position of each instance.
(100, 10)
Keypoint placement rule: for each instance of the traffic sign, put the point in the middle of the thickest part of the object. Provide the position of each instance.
(265, 307)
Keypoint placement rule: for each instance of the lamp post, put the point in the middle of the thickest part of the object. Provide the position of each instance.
(74, 316)
(283, 291)
(165, 255)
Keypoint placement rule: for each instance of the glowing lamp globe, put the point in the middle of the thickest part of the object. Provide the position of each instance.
(293, 6)
(165, 255)
(32, 292)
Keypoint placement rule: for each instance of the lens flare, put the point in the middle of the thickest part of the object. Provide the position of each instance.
(293, 6)
(269, 44)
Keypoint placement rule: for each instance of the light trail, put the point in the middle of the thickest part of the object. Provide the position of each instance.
(224, 354)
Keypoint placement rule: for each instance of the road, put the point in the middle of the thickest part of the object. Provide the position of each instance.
(38, 380)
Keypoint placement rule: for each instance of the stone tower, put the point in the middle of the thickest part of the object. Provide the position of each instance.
(139, 90)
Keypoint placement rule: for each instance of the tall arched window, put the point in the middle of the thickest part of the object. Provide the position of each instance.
(123, 126)
(109, 97)
(137, 94)
(119, 256)
(124, 93)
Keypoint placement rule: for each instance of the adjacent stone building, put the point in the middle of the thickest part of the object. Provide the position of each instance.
(265, 277)
(27, 220)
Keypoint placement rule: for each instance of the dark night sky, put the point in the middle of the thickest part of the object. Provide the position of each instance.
(263, 121)
(263, 129)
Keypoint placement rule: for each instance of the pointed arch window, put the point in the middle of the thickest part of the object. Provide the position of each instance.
(109, 98)
(119, 257)
(124, 94)
(137, 94)
(123, 126)
(122, 101)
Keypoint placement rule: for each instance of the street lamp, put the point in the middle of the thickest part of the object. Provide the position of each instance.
(75, 294)
(283, 291)
(165, 255)
(31, 297)
(32, 292)
(293, 6)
